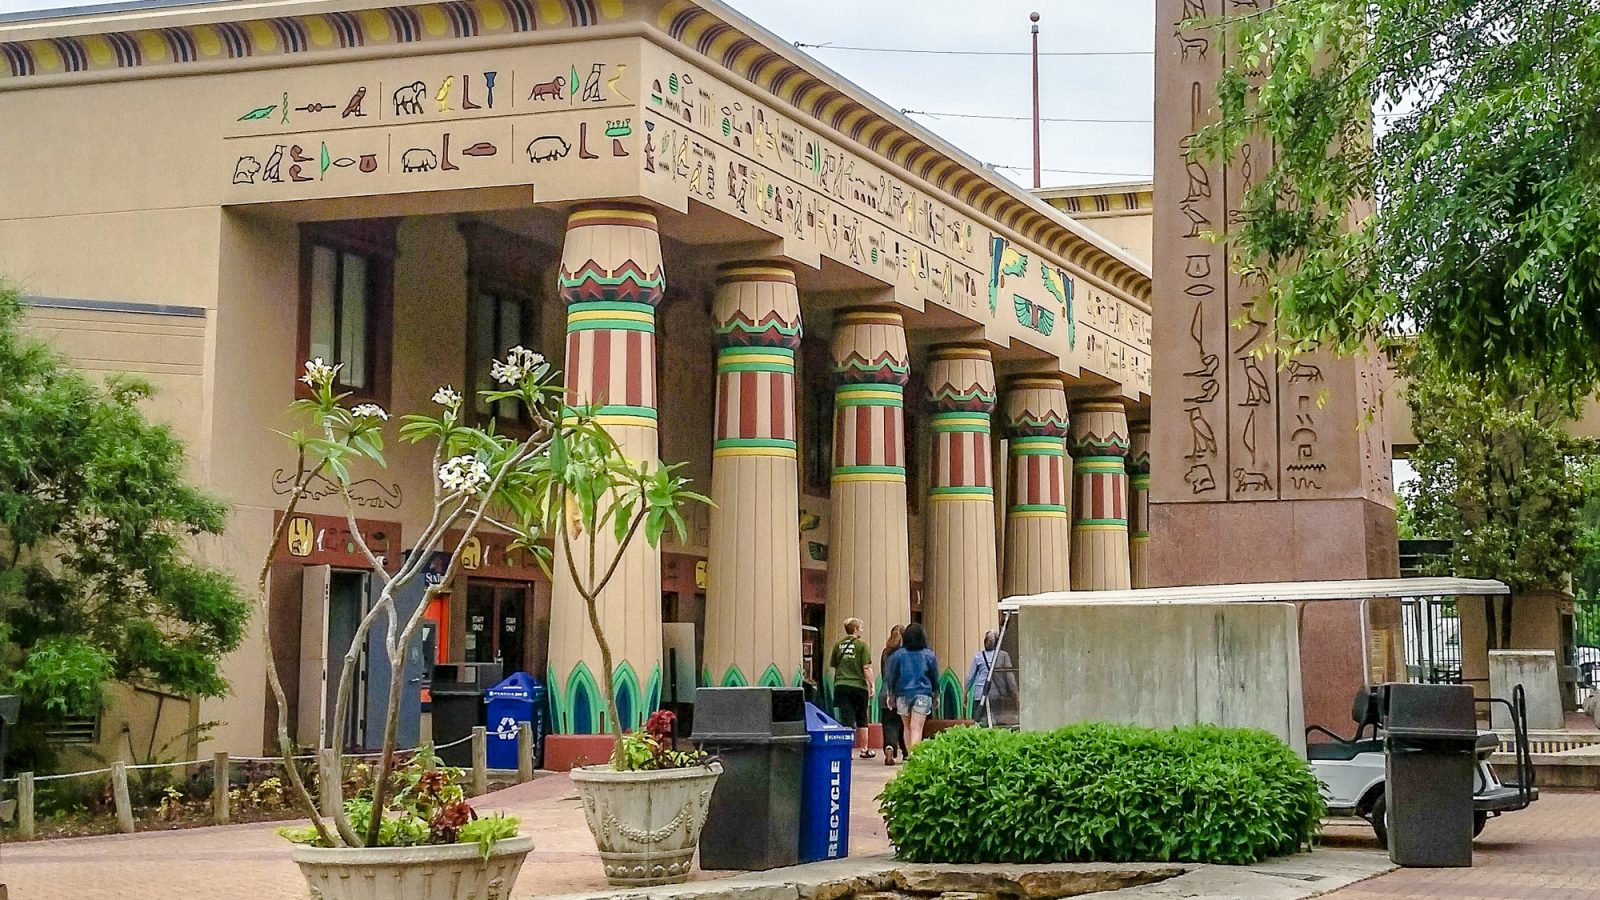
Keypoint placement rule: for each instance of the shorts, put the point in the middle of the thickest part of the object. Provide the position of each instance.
(851, 704)
(921, 704)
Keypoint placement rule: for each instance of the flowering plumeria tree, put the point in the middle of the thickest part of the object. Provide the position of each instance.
(566, 476)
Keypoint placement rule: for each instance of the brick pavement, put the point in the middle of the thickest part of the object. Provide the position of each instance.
(251, 861)
(1549, 851)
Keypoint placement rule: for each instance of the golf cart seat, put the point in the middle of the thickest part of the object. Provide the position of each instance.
(1338, 750)
(1365, 711)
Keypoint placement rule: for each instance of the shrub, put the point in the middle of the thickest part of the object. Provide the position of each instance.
(1102, 792)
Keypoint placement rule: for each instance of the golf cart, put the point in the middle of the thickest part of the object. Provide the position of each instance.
(1352, 770)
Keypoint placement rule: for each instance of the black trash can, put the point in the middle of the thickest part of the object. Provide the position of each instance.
(759, 734)
(1430, 736)
(458, 707)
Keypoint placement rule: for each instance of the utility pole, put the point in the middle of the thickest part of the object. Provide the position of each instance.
(1037, 183)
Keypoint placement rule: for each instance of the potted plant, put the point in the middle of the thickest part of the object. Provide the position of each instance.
(564, 475)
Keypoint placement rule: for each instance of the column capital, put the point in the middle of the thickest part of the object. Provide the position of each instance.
(1099, 428)
(1036, 406)
(757, 306)
(961, 380)
(869, 347)
(605, 269)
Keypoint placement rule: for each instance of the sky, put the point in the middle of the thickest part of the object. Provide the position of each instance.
(1071, 87)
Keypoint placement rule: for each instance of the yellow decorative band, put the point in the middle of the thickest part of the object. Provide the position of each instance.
(869, 394)
(774, 452)
(756, 356)
(1038, 514)
(959, 353)
(870, 317)
(609, 215)
(1093, 526)
(1088, 406)
(614, 315)
(880, 477)
(986, 497)
(641, 421)
(734, 272)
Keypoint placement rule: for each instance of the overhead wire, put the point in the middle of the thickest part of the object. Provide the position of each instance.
(831, 46)
(996, 117)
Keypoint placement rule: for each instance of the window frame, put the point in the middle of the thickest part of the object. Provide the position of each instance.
(509, 268)
(373, 240)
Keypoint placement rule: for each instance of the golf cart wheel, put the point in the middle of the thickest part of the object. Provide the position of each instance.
(1379, 817)
(1479, 819)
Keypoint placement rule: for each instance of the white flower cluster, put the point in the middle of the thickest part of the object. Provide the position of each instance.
(463, 474)
(370, 411)
(520, 362)
(318, 373)
(447, 397)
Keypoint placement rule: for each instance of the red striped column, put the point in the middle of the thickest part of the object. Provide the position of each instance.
(960, 582)
(1038, 533)
(1099, 443)
(1139, 505)
(868, 558)
(753, 598)
(611, 280)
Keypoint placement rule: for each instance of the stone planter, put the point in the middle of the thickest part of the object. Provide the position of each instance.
(442, 872)
(646, 824)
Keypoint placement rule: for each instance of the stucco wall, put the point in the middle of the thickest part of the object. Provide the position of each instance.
(1162, 666)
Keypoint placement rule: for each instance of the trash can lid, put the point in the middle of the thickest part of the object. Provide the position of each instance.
(517, 686)
(824, 730)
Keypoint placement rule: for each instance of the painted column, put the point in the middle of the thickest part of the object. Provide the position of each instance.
(1139, 505)
(1038, 533)
(611, 280)
(1099, 444)
(960, 581)
(753, 598)
(868, 558)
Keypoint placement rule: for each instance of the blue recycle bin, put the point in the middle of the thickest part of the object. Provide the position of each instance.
(825, 788)
(513, 701)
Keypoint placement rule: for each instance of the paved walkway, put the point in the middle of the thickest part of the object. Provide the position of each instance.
(251, 861)
(1549, 851)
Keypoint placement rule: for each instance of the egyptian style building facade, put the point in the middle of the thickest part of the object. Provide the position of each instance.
(906, 383)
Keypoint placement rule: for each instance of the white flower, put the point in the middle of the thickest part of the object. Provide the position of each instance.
(520, 363)
(370, 411)
(447, 397)
(319, 374)
(463, 474)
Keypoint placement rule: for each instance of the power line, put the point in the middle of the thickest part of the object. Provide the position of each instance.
(831, 46)
(1070, 171)
(1080, 121)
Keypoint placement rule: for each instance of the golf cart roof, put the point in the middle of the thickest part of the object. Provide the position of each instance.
(1267, 592)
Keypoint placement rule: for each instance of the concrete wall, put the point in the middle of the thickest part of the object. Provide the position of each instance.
(1235, 665)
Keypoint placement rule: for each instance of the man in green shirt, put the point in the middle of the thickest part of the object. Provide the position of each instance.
(853, 682)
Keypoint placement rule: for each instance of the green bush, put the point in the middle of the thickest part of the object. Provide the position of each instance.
(1102, 792)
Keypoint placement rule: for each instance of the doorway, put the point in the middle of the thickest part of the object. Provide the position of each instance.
(498, 625)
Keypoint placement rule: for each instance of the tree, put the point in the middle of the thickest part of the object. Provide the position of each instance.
(1474, 125)
(566, 476)
(1499, 475)
(96, 525)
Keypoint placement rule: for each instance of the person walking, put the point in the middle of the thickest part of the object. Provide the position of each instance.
(851, 662)
(894, 734)
(913, 671)
(986, 685)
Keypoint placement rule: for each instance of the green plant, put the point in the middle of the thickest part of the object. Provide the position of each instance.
(1102, 792)
(651, 749)
(426, 805)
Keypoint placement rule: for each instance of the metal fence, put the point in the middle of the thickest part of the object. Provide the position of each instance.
(1432, 628)
(1586, 647)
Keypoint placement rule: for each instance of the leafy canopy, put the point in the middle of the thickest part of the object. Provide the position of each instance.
(1474, 128)
(1499, 474)
(96, 527)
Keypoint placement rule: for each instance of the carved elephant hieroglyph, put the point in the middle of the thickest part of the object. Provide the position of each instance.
(408, 98)
(418, 159)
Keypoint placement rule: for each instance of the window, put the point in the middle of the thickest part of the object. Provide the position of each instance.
(504, 290)
(346, 294)
(498, 321)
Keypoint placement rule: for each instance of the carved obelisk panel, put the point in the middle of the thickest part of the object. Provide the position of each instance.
(1281, 480)
(1038, 532)
(753, 595)
(868, 555)
(1099, 445)
(1190, 345)
(960, 577)
(611, 280)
